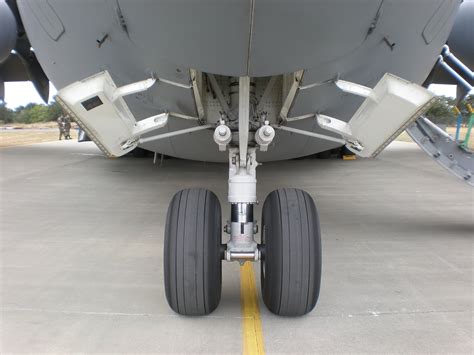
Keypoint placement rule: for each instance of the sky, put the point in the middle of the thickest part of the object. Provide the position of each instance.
(22, 93)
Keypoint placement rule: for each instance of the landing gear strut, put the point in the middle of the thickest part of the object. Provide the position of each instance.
(290, 252)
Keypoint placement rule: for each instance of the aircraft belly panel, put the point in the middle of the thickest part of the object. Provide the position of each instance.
(162, 98)
(290, 36)
(208, 35)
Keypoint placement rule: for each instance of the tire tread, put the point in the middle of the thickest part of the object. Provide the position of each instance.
(293, 252)
(192, 265)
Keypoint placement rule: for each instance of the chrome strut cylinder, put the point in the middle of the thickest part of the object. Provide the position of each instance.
(242, 196)
(242, 245)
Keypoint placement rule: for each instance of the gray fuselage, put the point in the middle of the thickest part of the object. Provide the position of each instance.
(354, 40)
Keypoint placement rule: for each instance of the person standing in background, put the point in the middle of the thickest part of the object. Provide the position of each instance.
(61, 127)
(67, 127)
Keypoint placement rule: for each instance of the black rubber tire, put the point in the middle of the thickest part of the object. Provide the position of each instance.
(291, 269)
(192, 257)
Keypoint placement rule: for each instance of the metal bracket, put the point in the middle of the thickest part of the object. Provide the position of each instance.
(294, 88)
(133, 88)
(244, 113)
(391, 106)
(310, 134)
(147, 125)
(150, 124)
(98, 107)
(175, 133)
(388, 109)
(197, 94)
(353, 88)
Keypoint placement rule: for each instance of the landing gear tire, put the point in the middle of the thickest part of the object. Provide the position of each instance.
(291, 267)
(192, 255)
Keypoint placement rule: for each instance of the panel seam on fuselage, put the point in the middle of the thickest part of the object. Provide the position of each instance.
(249, 48)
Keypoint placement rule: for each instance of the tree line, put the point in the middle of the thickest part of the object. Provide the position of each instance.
(441, 112)
(31, 113)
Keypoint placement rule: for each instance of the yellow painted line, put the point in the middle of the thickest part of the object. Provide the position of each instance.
(252, 324)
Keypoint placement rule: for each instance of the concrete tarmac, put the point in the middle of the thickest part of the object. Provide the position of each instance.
(82, 239)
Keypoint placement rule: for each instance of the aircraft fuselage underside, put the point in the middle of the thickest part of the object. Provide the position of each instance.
(315, 42)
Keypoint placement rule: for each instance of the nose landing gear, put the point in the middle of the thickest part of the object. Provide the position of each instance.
(290, 252)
